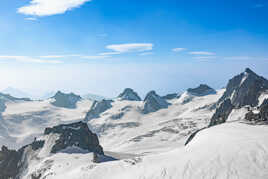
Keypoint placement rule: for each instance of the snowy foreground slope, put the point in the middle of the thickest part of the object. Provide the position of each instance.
(231, 150)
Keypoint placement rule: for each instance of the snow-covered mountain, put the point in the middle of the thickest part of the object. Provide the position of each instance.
(225, 131)
(16, 93)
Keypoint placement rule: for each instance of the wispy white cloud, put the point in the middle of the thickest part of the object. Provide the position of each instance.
(202, 53)
(53, 56)
(109, 53)
(178, 49)
(27, 59)
(96, 57)
(146, 53)
(30, 19)
(50, 7)
(131, 47)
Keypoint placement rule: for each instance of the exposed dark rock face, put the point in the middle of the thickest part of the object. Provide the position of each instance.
(75, 134)
(170, 96)
(201, 90)
(97, 108)
(242, 90)
(11, 161)
(245, 88)
(129, 94)
(261, 116)
(153, 102)
(222, 113)
(190, 138)
(65, 100)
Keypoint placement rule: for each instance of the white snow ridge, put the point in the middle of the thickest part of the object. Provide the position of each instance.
(202, 133)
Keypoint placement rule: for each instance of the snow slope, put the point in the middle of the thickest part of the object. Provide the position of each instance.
(230, 150)
(124, 128)
(22, 121)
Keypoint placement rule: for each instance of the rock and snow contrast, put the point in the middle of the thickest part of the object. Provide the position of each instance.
(225, 132)
(65, 100)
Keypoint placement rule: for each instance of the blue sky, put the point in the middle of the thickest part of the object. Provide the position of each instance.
(102, 46)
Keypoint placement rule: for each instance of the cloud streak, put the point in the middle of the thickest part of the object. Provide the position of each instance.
(178, 49)
(26, 59)
(50, 7)
(130, 47)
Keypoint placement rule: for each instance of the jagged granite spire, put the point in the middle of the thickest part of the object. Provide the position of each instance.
(129, 94)
(65, 100)
(153, 102)
(201, 90)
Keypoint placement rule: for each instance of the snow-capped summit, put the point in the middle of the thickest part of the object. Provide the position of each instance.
(65, 100)
(201, 90)
(153, 102)
(242, 90)
(129, 94)
(16, 92)
(97, 108)
(245, 88)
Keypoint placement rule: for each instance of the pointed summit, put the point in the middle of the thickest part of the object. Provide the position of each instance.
(201, 90)
(129, 94)
(153, 102)
(248, 70)
(242, 90)
(245, 88)
(65, 100)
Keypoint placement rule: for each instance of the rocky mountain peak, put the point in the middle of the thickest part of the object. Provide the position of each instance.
(65, 100)
(153, 102)
(201, 90)
(97, 108)
(129, 94)
(242, 90)
(75, 134)
(245, 88)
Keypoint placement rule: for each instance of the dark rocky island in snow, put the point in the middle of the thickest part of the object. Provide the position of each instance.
(78, 135)
(201, 90)
(153, 102)
(97, 108)
(65, 100)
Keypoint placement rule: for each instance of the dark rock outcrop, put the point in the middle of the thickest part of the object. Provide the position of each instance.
(75, 134)
(153, 102)
(261, 114)
(97, 108)
(129, 94)
(201, 90)
(245, 89)
(13, 163)
(242, 90)
(65, 100)
(170, 96)
(222, 113)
